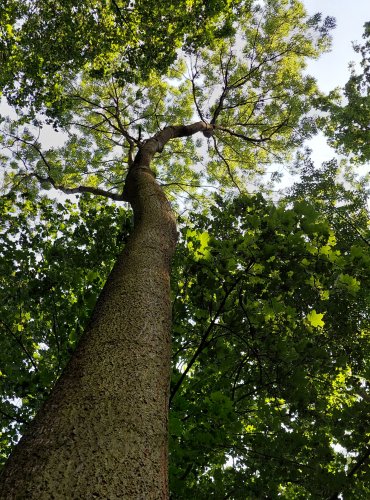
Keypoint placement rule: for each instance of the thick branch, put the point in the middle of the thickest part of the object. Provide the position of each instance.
(78, 189)
(156, 143)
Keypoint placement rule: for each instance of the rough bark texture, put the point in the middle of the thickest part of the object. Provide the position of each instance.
(103, 431)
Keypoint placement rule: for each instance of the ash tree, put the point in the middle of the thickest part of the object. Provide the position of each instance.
(144, 123)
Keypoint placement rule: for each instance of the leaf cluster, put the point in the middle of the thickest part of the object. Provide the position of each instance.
(347, 124)
(44, 44)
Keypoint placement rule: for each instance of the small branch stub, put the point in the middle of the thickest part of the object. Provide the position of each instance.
(209, 131)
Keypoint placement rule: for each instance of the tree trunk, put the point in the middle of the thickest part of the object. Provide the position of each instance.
(103, 431)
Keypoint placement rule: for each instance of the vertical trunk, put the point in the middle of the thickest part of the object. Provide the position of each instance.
(103, 431)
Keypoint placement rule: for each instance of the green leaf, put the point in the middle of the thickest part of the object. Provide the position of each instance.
(315, 319)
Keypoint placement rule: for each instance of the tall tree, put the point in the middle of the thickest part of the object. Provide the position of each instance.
(103, 430)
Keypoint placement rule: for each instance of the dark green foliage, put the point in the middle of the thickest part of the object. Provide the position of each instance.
(270, 334)
(272, 324)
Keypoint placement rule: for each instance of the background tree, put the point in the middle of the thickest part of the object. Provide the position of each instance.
(55, 259)
(250, 99)
(271, 375)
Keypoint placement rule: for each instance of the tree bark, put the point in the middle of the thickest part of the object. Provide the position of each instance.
(103, 431)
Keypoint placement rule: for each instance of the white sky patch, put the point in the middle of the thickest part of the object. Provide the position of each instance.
(331, 69)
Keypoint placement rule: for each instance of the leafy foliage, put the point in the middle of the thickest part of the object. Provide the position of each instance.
(271, 301)
(249, 88)
(45, 44)
(271, 336)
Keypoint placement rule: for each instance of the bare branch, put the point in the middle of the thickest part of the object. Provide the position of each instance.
(102, 131)
(242, 136)
(243, 79)
(78, 189)
(274, 129)
(225, 90)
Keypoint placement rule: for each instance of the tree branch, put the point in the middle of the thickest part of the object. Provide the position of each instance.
(20, 420)
(20, 343)
(242, 136)
(156, 143)
(226, 163)
(225, 90)
(50, 180)
(78, 189)
(203, 342)
(193, 77)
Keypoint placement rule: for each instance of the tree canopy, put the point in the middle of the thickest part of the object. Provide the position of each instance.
(272, 350)
(270, 335)
(46, 44)
(248, 88)
(269, 391)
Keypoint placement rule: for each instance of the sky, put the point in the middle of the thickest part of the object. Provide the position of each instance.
(331, 70)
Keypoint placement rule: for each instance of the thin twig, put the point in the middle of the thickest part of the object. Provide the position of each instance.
(226, 163)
